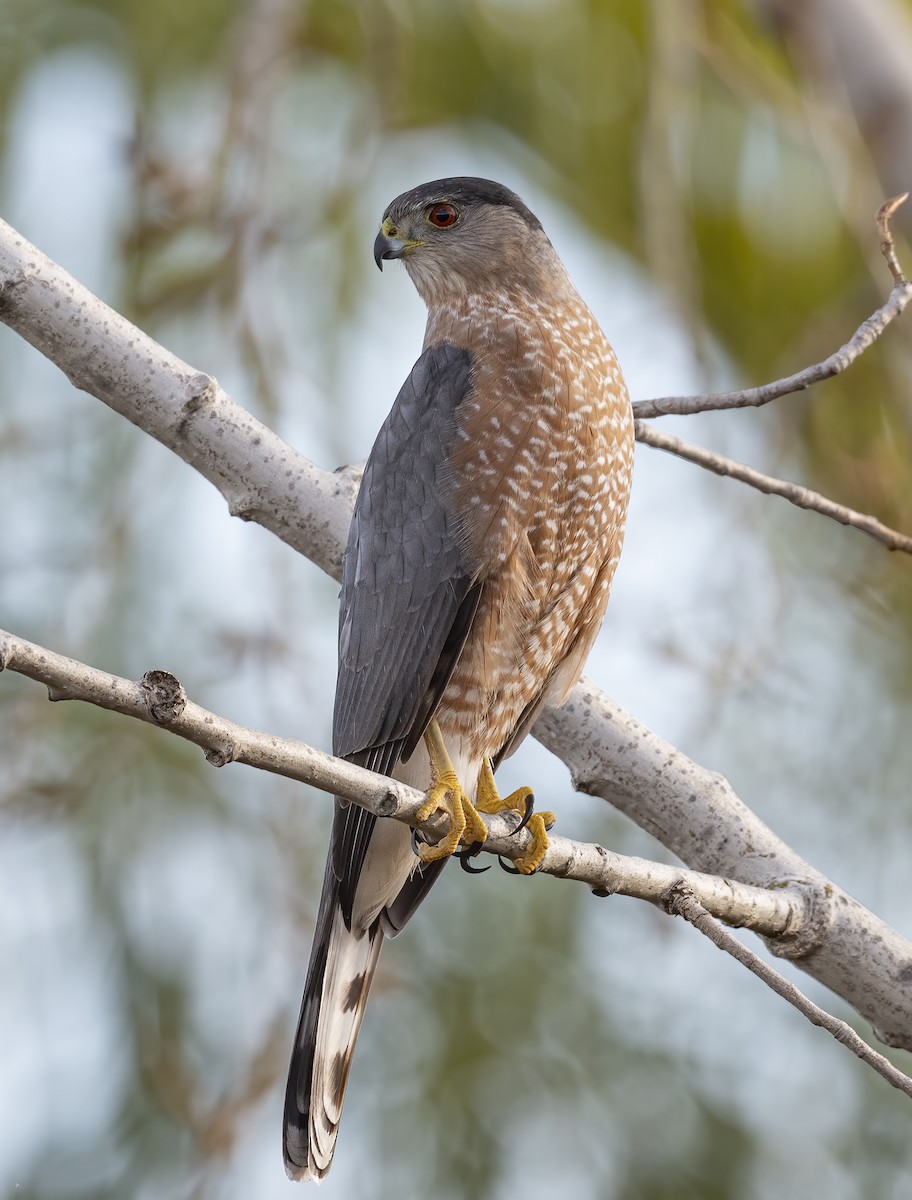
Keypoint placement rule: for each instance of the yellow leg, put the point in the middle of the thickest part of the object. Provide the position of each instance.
(446, 795)
(489, 800)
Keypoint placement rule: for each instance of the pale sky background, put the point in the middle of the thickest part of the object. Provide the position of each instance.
(700, 596)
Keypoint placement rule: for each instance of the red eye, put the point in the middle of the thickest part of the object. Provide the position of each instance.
(443, 215)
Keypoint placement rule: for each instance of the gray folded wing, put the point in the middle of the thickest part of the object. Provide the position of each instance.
(409, 592)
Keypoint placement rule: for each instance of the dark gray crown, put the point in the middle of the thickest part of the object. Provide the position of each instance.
(462, 189)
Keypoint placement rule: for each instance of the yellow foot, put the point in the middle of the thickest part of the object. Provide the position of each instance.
(446, 795)
(489, 800)
(466, 825)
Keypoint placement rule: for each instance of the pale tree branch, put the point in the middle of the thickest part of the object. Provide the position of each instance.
(159, 699)
(697, 815)
(261, 477)
(682, 902)
(692, 811)
(795, 493)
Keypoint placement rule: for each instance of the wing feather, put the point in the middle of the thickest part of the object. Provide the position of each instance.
(409, 592)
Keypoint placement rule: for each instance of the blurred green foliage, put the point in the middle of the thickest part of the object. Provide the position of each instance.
(504, 1053)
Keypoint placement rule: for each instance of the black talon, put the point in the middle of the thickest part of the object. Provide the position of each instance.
(416, 843)
(510, 870)
(530, 808)
(469, 853)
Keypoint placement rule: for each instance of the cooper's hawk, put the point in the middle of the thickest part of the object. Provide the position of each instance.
(482, 548)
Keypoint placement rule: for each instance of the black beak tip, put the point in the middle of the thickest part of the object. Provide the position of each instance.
(381, 250)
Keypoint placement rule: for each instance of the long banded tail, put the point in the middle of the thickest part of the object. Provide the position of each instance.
(341, 968)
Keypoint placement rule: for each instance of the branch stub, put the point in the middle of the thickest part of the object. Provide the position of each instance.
(164, 696)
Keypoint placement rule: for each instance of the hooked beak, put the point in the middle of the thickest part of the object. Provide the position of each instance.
(389, 245)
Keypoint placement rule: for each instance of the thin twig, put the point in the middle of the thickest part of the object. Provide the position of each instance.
(884, 213)
(793, 492)
(159, 699)
(754, 397)
(681, 902)
(867, 332)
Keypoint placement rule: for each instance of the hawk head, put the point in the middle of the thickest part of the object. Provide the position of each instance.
(464, 234)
